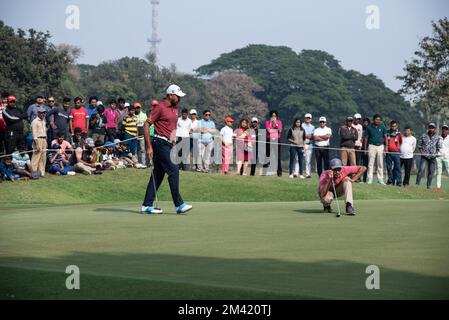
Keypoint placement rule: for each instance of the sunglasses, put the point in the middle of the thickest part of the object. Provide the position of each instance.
(322, 121)
(51, 101)
(11, 102)
(207, 115)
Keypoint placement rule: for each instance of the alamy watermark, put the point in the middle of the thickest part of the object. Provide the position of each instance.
(73, 18)
(373, 20)
(373, 280)
(72, 282)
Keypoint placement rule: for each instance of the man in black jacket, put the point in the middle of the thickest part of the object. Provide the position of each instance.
(59, 118)
(348, 136)
(13, 117)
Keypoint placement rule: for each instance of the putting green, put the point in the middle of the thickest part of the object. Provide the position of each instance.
(227, 250)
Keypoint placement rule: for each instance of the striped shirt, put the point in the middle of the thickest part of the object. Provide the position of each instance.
(129, 125)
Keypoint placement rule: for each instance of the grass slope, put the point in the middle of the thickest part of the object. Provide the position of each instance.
(130, 185)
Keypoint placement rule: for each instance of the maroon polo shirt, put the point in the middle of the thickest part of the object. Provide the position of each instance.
(165, 119)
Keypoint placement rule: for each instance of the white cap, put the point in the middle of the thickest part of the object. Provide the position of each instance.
(323, 119)
(357, 116)
(308, 115)
(99, 103)
(127, 105)
(193, 111)
(254, 119)
(174, 89)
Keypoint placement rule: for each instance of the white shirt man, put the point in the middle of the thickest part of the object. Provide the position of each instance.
(443, 159)
(183, 127)
(408, 146)
(309, 128)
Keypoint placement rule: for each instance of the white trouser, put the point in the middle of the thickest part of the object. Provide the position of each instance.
(376, 154)
(308, 160)
(440, 164)
(206, 151)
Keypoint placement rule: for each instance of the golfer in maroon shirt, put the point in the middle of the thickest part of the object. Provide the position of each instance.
(165, 118)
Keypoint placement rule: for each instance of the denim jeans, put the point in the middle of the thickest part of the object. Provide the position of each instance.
(293, 152)
(393, 161)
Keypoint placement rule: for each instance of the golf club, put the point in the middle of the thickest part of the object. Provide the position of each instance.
(336, 198)
(154, 184)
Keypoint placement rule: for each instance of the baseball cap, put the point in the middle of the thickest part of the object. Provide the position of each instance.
(323, 119)
(445, 126)
(174, 89)
(193, 111)
(349, 118)
(228, 119)
(117, 141)
(90, 142)
(154, 102)
(336, 164)
(254, 119)
(10, 98)
(308, 115)
(432, 124)
(109, 144)
(357, 116)
(99, 103)
(127, 104)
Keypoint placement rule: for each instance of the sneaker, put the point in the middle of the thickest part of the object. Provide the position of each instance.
(309, 177)
(295, 176)
(370, 181)
(151, 210)
(198, 170)
(291, 176)
(437, 189)
(327, 208)
(71, 173)
(350, 209)
(183, 208)
(382, 183)
(96, 172)
(301, 177)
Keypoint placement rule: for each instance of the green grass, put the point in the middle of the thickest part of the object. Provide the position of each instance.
(130, 185)
(227, 250)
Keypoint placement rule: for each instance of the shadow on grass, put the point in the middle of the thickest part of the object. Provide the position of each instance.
(162, 276)
(310, 211)
(124, 210)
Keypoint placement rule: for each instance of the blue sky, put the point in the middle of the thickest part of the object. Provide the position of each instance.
(197, 31)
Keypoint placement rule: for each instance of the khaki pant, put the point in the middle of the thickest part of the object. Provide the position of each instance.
(348, 154)
(376, 154)
(343, 188)
(39, 157)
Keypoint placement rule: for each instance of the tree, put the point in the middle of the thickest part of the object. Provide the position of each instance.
(232, 94)
(30, 63)
(427, 75)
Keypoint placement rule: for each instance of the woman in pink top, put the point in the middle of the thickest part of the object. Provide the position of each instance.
(245, 137)
(274, 130)
(111, 113)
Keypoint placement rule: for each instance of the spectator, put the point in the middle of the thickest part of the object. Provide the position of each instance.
(245, 137)
(59, 118)
(348, 137)
(22, 164)
(125, 156)
(322, 136)
(255, 128)
(111, 113)
(123, 110)
(343, 185)
(429, 145)
(207, 129)
(39, 132)
(98, 123)
(359, 142)
(227, 135)
(65, 145)
(82, 160)
(13, 117)
(7, 170)
(78, 139)
(32, 109)
(58, 165)
(393, 157)
(183, 137)
(296, 137)
(50, 118)
(3, 104)
(309, 128)
(376, 137)
(364, 152)
(195, 139)
(274, 130)
(92, 107)
(443, 159)
(129, 125)
(408, 147)
(141, 118)
(79, 117)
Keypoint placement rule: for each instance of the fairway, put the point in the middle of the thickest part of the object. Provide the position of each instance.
(227, 250)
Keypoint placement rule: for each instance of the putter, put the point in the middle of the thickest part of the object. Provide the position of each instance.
(154, 184)
(336, 198)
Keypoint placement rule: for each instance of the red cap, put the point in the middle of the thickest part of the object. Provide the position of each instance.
(11, 98)
(229, 119)
(154, 102)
